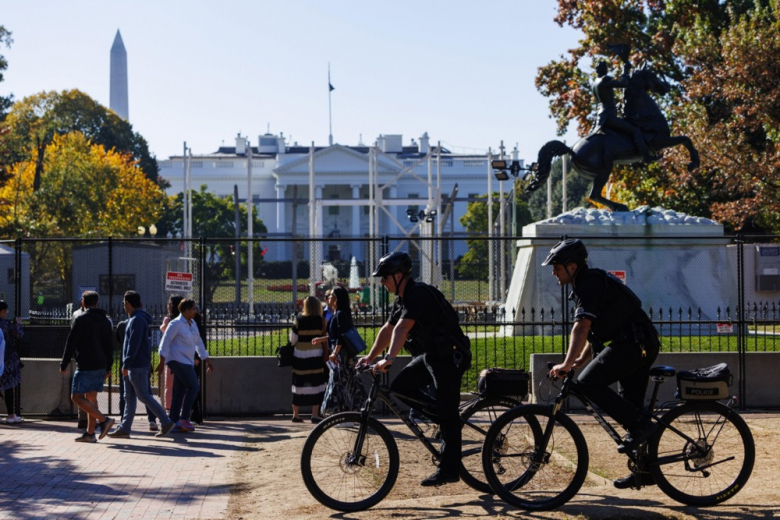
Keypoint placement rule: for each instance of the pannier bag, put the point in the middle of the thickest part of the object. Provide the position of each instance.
(504, 382)
(704, 383)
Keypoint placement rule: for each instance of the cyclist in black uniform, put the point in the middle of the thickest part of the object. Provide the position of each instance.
(416, 320)
(609, 323)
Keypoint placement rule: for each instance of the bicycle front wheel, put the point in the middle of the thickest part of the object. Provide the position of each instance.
(713, 464)
(477, 419)
(525, 471)
(340, 478)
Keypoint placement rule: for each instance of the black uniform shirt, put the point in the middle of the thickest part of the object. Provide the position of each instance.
(608, 303)
(418, 304)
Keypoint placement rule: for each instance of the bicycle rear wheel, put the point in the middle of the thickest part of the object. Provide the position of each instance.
(477, 420)
(712, 468)
(526, 473)
(338, 477)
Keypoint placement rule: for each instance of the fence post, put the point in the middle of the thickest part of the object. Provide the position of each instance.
(201, 299)
(742, 332)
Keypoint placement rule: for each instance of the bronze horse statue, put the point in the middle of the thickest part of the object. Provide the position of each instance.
(594, 155)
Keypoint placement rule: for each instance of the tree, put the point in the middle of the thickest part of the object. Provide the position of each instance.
(85, 191)
(5, 101)
(34, 122)
(721, 57)
(475, 263)
(212, 217)
(577, 189)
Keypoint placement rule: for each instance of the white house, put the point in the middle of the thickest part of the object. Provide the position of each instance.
(407, 179)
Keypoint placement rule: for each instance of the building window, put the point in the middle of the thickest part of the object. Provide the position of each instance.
(196, 164)
(334, 210)
(164, 164)
(413, 209)
(474, 163)
(223, 164)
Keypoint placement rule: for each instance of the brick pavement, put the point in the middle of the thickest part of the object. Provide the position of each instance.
(45, 474)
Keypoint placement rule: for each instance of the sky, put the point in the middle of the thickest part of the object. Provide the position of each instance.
(203, 72)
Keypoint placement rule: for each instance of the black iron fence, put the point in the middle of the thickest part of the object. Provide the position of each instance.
(251, 290)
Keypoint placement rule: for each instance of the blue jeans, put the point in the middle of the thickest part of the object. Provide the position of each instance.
(149, 414)
(185, 390)
(137, 389)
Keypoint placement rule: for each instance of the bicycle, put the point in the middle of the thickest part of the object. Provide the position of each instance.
(350, 460)
(536, 458)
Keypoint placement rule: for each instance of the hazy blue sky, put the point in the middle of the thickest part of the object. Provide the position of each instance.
(201, 72)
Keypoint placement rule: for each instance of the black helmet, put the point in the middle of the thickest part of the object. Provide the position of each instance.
(397, 262)
(566, 252)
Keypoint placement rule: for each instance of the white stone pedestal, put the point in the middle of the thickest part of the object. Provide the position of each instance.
(669, 260)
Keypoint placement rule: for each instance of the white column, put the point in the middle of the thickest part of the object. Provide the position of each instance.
(355, 210)
(280, 214)
(318, 227)
(394, 195)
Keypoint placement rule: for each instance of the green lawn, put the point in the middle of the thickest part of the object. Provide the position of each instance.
(511, 352)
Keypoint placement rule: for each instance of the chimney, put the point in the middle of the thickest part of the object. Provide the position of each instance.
(423, 146)
(240, 145)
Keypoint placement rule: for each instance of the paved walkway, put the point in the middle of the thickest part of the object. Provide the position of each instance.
(45, 474)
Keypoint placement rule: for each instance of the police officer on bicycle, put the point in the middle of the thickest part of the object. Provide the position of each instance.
(611, 328)
(419, 320)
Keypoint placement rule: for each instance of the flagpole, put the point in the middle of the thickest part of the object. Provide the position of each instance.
(330, 116)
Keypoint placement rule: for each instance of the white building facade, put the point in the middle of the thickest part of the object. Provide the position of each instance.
(359, 191)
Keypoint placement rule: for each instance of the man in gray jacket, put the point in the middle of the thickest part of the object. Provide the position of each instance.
(136, 360)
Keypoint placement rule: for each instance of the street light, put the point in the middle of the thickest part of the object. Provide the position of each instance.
(141, 231)
(502, 168)
(153, 230)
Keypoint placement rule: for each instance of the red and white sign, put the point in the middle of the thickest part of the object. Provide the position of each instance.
(620, 275)
(725, 328)
(178, 281)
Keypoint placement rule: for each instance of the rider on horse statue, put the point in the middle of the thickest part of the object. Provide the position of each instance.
(606, 111)
(616, 140)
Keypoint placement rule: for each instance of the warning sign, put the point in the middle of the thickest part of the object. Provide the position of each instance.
(725, 328)
(180, 282)
(620, 275)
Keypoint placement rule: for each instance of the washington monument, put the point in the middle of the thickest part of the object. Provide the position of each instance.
(118, 94)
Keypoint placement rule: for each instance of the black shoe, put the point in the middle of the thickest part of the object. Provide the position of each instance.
(440, 478)
(634, 480)
(637, 436)
(105, 427)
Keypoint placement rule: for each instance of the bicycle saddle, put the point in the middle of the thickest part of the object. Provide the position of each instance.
(662, 371)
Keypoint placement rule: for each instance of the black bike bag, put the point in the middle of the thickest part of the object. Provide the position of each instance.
(504, 382)
(704, 383)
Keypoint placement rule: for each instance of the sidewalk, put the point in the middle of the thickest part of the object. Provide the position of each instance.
(45, 474)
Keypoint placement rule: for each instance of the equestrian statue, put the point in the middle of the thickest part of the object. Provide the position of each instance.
(634, 138)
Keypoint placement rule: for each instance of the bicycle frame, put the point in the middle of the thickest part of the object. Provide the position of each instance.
(380, 392)
(569, 389)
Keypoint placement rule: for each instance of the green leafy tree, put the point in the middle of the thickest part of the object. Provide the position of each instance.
(34, 121)
(721, 57)
(5, 103)
(212, 217)
(577, 189)
(476, 261)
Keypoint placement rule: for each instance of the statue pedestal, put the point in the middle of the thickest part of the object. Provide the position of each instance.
(670, 260)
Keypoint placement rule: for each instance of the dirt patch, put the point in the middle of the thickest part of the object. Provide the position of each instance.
(267, 482)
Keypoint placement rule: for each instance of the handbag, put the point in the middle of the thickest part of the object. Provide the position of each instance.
(353, 342)
(285, 355)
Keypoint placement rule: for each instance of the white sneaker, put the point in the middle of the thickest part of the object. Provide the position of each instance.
(13, 420)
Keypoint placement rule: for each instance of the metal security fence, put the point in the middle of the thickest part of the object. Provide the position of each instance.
(250, 291)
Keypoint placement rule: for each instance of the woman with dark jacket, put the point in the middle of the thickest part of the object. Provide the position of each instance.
(345, 391)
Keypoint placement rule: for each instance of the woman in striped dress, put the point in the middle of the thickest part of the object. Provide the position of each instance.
(309, 374)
